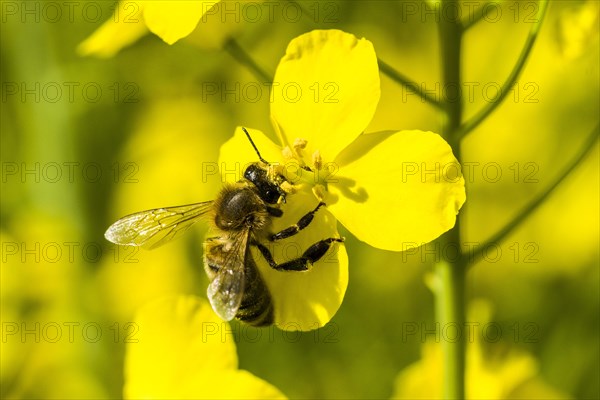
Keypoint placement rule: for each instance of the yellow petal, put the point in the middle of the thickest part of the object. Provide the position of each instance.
(326, 89)
(178, 340)
(237, 153)
(122, 29)
(237, 384)
(305, 300)
(173, 20)
(578, 26)
(302, 300)
(397, 190)
(184, 351)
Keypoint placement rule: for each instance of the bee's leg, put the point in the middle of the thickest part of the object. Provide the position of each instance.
(313, 254)
(274, 212)
(301, 224)
(266, 253)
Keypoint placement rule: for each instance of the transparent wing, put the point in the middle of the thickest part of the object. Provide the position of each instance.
(226, 290)
(153, 228)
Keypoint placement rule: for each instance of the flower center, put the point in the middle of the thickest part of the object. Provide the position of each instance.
(298, 171)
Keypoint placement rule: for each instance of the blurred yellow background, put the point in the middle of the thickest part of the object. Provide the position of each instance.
(87, 140)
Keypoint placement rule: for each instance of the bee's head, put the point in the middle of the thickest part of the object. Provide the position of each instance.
(268, 190)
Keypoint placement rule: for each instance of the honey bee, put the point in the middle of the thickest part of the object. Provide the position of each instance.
(241, 217)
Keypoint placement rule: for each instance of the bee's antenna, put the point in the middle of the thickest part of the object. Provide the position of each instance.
(253, 145)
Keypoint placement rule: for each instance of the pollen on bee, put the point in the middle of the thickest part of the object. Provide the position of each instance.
(227, 246)
(275, 171)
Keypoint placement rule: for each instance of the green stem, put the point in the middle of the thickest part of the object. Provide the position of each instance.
(538, 200)
(396, 76)
(480, 13)
(237, 52)
(449, 304)
(472, 123)
(450, 293)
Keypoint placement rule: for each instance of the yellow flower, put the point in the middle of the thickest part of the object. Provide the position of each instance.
(390, 189)
(182, 351)
(578, 28)
(169, 20)
(512, 374)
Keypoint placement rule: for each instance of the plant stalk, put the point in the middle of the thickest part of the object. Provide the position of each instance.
(482, 114)
(238, 52)
(450, 290)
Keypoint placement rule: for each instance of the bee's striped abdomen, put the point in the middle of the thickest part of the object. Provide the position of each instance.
(256, 308)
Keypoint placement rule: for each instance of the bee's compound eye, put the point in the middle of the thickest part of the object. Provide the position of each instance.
(253, 173)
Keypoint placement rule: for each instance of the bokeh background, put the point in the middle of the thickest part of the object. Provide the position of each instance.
(86, 140)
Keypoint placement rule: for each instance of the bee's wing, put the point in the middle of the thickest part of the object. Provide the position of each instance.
(153, 228)
(226, 291)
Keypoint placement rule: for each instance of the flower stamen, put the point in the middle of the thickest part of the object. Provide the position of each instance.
(319, 191)
(317, 160)
(287, 153)
(299, 145)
